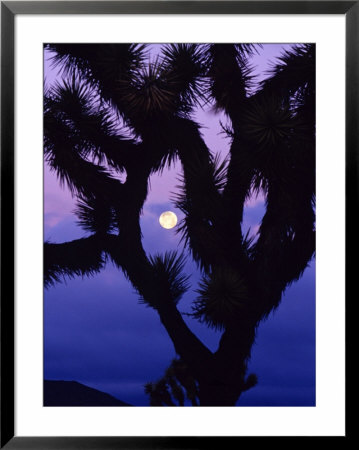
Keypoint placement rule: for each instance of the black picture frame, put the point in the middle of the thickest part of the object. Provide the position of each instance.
(9, 9)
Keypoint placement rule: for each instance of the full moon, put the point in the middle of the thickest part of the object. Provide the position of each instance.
(168, 219)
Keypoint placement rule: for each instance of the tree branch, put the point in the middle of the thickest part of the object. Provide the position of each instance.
(285, 245)
(76, 258)
(129, 254)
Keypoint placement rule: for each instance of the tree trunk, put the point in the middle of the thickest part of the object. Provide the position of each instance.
(217, 394)
(228, 375)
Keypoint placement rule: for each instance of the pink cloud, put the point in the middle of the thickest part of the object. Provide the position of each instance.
(51, 220)
(58, 202)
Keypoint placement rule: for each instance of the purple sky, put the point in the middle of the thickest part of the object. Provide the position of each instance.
(97, 333)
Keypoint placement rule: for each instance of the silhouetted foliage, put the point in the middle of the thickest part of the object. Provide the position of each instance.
(119, 112)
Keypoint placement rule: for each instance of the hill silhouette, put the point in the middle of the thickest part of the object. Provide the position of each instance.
(72, 393)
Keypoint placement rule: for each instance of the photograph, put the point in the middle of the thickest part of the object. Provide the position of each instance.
(179, 224)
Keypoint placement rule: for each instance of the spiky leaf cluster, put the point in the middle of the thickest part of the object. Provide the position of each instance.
(100, 65)
(96, 215)
(168, 281)
(185, 63)
(223, 296)
(76, 258)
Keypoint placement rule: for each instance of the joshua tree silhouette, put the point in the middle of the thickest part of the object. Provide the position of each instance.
(272, 134)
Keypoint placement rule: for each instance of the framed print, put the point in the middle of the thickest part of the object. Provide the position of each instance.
(168, 176)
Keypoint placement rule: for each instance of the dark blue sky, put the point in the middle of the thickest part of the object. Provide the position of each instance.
(97, 333)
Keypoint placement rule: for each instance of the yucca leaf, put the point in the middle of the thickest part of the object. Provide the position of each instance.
(76, 258)
(169, 283)
(222, 298)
